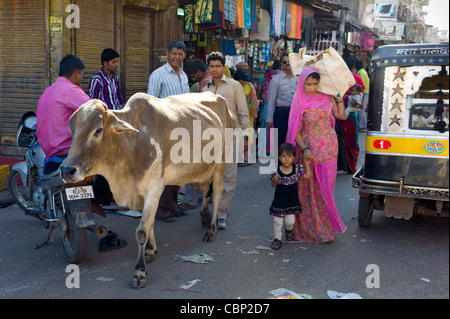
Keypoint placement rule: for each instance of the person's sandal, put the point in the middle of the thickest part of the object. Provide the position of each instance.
(289, 235)
(276, 244)
(185, 206)
(169, 219)
(111, 242)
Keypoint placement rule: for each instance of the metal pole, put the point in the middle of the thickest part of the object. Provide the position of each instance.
(342, 28)
(407, 27)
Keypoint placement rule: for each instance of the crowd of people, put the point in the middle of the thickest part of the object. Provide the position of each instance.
(317, 134)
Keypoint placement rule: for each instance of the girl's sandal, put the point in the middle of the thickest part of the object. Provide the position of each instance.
(276, 244)
(289, 235)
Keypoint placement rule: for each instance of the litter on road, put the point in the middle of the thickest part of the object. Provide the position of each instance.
(189, 284)
(283, 293)
(104, 278)
(200, 258)
(342, 295)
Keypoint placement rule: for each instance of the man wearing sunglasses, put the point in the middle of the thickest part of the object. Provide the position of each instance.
(281, 94)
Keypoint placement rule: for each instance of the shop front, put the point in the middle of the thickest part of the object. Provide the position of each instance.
(36, 35)
(257, 32)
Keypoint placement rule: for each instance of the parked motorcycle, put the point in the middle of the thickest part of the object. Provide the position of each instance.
(63, 207)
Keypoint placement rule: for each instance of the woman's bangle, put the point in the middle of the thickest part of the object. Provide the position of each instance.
(303, 150)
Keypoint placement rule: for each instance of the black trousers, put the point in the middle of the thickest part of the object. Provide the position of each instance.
(168, 200)
(100, 186)
(281, 122)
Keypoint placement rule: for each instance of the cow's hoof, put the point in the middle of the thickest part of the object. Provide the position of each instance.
(140, 279)
(149, 257)
(209, 238)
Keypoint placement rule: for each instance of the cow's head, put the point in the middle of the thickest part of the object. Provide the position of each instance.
(96, 135)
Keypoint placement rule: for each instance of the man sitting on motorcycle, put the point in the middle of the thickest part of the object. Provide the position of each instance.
(55, 107)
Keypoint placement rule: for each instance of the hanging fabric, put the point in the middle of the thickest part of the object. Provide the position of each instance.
(275, 13)
(203, 11)
(289, 19)
(263, 33)
(255, 10)
(230, 11)
(283, 18)
(367, 41)
(240, 14)
(212, 21)
(189, 20)
(298, 22)
(247, 14)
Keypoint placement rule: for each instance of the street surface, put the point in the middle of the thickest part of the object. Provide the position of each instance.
(412, 256)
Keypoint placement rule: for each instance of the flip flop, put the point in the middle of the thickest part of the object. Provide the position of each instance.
(185, 206)
(178, 213)
(111, 242)
(169, 219)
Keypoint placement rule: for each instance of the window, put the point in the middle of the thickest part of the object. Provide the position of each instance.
(422, 116)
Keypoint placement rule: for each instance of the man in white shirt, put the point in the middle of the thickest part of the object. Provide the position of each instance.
(165, 81)
(282, 89)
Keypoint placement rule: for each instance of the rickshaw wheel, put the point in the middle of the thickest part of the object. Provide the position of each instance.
(365, 210)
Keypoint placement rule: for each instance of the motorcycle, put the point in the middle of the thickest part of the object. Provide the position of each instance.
(63, 207)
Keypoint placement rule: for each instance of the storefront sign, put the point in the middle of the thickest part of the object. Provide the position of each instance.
(386, 9)
(392, 31)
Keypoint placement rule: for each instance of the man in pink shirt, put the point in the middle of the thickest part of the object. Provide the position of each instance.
(57, 104)
(55, 107)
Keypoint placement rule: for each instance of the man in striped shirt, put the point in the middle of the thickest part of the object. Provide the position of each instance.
(170, 79)
(165, 81)
(105, 84)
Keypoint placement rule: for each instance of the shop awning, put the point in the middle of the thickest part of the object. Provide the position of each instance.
(155, 5)
(323, 5)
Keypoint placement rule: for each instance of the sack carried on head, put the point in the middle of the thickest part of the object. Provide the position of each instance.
(335, 76)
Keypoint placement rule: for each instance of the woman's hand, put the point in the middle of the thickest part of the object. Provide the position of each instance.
(307, 155)
(340, 106)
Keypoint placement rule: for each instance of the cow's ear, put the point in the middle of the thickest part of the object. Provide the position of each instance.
(123, 127)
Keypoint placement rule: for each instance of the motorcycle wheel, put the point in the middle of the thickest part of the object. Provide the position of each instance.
(18, 191)
(74, 240)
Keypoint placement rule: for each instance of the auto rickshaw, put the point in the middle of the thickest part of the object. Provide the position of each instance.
(406, 164)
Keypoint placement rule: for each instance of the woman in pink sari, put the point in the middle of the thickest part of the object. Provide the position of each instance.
(311, 130)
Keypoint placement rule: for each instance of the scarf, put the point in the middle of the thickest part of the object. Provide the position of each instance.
(302, 102)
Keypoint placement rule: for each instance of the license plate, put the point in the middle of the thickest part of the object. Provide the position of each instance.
(81, 192)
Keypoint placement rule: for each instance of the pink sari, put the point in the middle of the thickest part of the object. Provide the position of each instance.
(320, 219)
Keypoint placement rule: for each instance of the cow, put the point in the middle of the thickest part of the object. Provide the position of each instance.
(133, 149)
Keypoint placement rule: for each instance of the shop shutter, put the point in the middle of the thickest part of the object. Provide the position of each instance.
(137, 50)
(24, 62)
(95, 34)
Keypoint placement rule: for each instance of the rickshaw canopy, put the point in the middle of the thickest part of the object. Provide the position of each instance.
(410, 54)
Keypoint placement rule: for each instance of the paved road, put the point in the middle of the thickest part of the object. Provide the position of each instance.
(404, 251)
